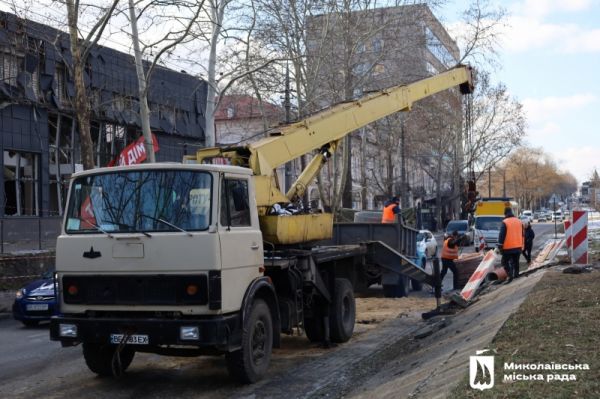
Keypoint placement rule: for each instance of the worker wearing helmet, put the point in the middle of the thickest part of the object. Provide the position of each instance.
(449, 254)
(391, 208)
(511, 243)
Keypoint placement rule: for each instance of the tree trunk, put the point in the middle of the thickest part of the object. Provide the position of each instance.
(81, 105)
(217, 11)
(143, 97)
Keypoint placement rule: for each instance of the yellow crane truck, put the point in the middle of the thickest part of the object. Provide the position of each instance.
(188, 259)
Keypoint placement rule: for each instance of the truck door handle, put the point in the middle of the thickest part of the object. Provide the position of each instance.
(254, 246)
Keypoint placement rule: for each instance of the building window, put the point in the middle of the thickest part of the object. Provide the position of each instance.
(21, 183)
(10, 66)
(377, 45)
(230, 112)
(360, 69)
(438, 49)
(378, 69)
(61, 160)
(430, 68)
(61, 85)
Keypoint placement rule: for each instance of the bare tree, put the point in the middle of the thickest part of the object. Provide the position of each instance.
(80, 50)
(498, 125)
(181, 15)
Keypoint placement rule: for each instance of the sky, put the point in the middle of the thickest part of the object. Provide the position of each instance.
(550, 62)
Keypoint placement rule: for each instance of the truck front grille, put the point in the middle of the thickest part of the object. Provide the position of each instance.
(135, 290)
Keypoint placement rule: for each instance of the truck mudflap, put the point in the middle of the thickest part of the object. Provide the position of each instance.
(219, 332)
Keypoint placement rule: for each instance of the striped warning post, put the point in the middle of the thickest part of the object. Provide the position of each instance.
(568, 234)
(482, 243)
(486, 265)
(580, 239)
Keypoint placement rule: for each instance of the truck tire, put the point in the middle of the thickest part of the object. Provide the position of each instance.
(99, 358)
(250, 363)
(417, 285)
(398, 290)
(343, 316)
(313, 327)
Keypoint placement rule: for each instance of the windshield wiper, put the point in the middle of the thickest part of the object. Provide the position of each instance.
(130, 228)
(99, 229)
(167, 223)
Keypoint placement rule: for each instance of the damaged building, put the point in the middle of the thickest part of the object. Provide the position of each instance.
(39, 133)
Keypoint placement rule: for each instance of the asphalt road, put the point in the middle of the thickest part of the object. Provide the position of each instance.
(33, 366)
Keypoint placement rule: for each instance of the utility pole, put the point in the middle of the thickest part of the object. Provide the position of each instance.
(403, 185)
(490, 182)
(287, 106)
(554, 215)
(504, 183)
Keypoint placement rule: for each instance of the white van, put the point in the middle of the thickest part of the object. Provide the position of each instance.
(557, 216)
(528, 214)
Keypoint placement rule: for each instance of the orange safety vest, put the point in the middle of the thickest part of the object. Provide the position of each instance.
(449, 253)
(388, 214)
(514, 234)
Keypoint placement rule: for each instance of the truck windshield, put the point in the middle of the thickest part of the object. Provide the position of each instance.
(140, 201)
(489, 223)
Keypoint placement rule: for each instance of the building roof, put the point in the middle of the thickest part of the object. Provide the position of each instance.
(242, 106)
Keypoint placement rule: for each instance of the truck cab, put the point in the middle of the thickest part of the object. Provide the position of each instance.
(159, 257)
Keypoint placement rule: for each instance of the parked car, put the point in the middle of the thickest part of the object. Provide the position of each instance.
(36, 301)
(426, 238)
(527, 214)
(462, 227)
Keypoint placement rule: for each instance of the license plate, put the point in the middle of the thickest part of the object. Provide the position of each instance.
(132, 339)
(37, 306)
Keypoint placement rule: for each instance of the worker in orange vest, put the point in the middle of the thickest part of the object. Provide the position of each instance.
(449, 254)
(511, 243)
(391, 208)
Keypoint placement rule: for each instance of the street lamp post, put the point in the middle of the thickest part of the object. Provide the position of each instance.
(554, 216)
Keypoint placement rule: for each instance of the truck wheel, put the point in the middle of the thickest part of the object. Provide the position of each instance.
(251, 362)
(417, 285)
(313, 327)
(99, 358)
(389, 290)
(341, 321)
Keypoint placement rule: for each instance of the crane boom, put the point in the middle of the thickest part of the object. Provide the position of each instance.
(338, 121)
(321, 131)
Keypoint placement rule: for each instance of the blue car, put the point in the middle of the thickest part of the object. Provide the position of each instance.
(36, 301)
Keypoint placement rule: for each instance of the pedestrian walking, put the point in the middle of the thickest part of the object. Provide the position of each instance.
(529, 236)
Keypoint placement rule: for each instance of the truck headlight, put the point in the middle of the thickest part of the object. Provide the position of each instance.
(68, 330)
(189, 333)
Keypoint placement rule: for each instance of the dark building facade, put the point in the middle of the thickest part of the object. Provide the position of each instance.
(39, 134)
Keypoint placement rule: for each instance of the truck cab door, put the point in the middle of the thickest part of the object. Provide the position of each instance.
(240, 238)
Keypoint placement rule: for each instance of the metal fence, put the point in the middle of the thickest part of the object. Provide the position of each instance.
(28, 233)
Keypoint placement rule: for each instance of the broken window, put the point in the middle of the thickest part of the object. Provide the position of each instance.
(61, 160)
(10, 66)
(21, 183)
